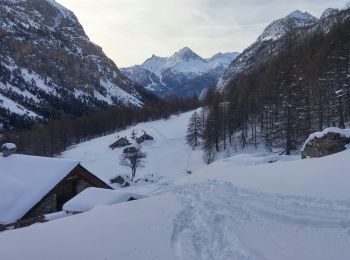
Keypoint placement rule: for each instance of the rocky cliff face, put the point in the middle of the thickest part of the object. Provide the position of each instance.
(48, 64)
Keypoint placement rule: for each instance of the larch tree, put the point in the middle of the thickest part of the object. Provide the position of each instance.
(194, 130)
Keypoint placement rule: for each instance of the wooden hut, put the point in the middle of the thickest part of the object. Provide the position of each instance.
(144, 137)
(121, 142)
(32, 186)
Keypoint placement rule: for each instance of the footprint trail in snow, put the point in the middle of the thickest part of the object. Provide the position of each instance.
(217, 216)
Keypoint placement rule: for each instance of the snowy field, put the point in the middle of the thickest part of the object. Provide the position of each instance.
(240, 207)
(168, 156)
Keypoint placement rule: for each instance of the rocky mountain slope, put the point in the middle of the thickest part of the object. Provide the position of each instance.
(182, 74)
(270, 40)
(49, 65)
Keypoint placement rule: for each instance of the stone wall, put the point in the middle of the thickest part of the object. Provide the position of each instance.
(47, 206)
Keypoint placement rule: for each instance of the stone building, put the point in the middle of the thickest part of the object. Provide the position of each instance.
(31, 186)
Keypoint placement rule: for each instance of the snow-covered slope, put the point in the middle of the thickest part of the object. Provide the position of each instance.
(328, 12)
(168, 155)
(270, 40)
(48, 64)
(182, 74)
(279, 28)
(230, 209)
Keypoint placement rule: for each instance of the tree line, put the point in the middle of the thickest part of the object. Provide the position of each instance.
(304, 88)
(55, 136)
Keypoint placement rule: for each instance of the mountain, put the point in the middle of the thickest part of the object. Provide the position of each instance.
(303, 86)
(49, 65)
(266, 45)
(329, 12)
(182, 74)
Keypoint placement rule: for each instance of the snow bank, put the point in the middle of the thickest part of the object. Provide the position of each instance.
(135, 231)
(56, 215)
(326, 177)
(93, 197)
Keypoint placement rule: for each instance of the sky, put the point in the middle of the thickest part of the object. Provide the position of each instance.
(130, 31)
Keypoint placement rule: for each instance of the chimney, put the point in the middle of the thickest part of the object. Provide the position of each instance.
(8, 149)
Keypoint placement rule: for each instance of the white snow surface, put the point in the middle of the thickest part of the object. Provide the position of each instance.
(93, 197)
(114, 91)
(10, 146)
(25, 180)
(240, 207)
(168, 148)
(14, 107)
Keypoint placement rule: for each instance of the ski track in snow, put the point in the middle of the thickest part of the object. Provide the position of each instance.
(207, 226)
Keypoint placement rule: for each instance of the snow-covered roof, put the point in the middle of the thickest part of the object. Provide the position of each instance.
(93, 197)
(9, 146)
(318, 135)
(25, 180)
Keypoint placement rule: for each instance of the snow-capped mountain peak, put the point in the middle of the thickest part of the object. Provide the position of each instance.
(185, 54)
(268, 43)
(328, 12)
(184, 70)
(154, 64)
(304, 17)
(223, 58)
(279, 28)
(186, 61)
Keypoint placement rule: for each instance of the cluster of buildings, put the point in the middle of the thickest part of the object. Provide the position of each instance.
(123, 141)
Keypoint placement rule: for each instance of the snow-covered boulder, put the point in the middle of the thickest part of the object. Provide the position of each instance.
(8, 149)
(122, 180)
(93, 197)
(329, 141)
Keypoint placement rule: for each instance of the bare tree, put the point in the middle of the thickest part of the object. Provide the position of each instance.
(133, 158)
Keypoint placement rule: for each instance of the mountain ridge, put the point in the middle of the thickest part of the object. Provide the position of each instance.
(182, 74)
(268, 42)
(49, 65)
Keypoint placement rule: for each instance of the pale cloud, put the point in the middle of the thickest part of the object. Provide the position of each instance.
(130, 31)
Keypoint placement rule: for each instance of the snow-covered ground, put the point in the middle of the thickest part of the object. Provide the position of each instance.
(240, 207)
(168, 155)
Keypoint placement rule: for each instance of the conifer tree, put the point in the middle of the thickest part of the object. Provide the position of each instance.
(194, 130)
